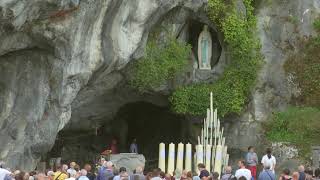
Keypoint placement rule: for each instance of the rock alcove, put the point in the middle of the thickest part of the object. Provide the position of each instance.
(148, 123)
(109, 108)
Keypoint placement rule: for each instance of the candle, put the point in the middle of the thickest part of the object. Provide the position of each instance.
(188, 157)
(199, 156)
(208, 158)
(171, 159)
(162, 156)
(218, 159)
(180, 156)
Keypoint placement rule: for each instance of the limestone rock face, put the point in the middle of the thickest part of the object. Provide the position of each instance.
(280, 25)
(54, 53)
(65, 64)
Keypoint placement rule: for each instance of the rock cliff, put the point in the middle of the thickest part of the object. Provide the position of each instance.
(64, 63)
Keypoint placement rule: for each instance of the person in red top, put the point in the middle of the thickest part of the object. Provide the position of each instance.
(114, 147)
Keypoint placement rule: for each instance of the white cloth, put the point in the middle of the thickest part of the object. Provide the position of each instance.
(3, 173)
(156, 178)
(272, 161)
(72, 178)
(243, 172)
(72, 172)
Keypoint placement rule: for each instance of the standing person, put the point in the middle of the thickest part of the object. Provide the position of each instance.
(228, 174)
(3, 171)
(309, 173)
(302, 175)
(252, 161)
(71, 171)
(203, 172)
(215, 176)
(242, 171)
(138, 174)
(83, 175)
(269, 159)
(50, 175)
(106, 171)
(285, 175)
(134, 146)
(267, 174)
(114, 147)
(59, 174)
(295, 175)
(90, 175)
(122, 174)
(177, 174)
(189, 175)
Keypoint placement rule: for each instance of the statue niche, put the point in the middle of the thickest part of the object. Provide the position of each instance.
(205, 49)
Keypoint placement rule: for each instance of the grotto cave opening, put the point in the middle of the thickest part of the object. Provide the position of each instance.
(148, 123)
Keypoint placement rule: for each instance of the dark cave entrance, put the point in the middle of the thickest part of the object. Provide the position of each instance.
(148, 123)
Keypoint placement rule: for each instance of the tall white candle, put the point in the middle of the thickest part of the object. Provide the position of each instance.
(171, 156)
(208, 157)
(180, 156)
(162, 156)
(218, 159)
(188, 157)
(199, 155)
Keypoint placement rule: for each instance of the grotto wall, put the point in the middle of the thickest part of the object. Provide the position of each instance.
(50, 50)
(281, 24)
(65, 64)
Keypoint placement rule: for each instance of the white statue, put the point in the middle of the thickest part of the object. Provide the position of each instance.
(205, 49)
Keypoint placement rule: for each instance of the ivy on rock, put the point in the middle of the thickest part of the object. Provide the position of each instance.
(161, 63)
(231, 91)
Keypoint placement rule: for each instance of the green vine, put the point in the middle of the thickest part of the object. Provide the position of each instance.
(231, 91)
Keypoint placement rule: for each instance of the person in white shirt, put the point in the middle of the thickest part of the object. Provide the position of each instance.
(242, 171)
(72, 177)
(71, 171)
(3, 171)
(269, 159)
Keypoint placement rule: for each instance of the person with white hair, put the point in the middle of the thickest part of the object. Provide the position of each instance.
(50, 175)
(106, 171)
(3, 172)
(267, 173)
(228, 174)
(71, 171)
(83, 175)
(302, 174)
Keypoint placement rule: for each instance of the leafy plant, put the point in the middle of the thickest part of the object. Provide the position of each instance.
(160, 64)
(316, 24)
(231, 91)
(299, 126)
(304, 65)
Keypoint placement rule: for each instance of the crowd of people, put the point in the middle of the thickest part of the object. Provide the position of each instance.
(247, 170)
